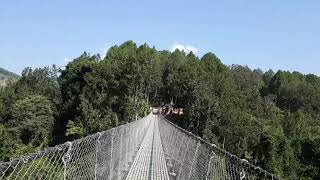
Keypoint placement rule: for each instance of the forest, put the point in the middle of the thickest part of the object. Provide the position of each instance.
(272, 119)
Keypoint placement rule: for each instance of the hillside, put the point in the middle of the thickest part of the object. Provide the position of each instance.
(5, 75)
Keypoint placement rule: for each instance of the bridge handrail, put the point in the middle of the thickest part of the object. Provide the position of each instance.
(68, 159)
(245, 164)
(61, 152)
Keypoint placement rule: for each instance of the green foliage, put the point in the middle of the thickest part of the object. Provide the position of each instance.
(274, 152)
(28, 111)
(309, 156)
(8, 143)
(33, 119)
(74, 131)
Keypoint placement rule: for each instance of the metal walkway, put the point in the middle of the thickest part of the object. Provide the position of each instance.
(150, 161)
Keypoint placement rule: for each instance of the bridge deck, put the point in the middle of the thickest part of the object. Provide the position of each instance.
(150, 162)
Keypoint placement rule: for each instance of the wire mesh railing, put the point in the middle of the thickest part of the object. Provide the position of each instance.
(109, 155)
(104, 155)
(190, 157)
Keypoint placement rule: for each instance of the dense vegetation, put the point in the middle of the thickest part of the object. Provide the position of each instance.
(271, 119)
(6, 76)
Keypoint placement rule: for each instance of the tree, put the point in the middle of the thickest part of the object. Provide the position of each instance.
(8, 143)
(33, 119)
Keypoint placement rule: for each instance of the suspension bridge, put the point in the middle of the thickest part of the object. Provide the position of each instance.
(151, 148)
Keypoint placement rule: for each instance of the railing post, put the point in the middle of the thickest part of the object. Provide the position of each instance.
(96, 161)
(120, 154)
(242, 171)
(111, 167)
(242, 174)
(194, 158)
(212, 154)
(66, 159)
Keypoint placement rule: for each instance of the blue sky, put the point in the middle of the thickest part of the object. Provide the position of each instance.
(267, 34)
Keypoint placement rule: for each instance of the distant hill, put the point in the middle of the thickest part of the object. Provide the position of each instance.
(6, 75)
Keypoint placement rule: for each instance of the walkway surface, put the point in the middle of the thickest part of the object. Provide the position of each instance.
(150, 162)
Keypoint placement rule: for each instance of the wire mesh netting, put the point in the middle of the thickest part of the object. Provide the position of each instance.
(110, 155)
(105, 155)
(190, 157)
